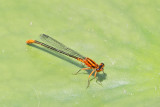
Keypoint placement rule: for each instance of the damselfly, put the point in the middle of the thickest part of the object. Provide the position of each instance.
(61, 48)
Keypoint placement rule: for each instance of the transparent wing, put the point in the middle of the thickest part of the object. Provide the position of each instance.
(54, 43)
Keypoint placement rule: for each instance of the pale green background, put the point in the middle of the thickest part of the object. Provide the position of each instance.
(124, 34)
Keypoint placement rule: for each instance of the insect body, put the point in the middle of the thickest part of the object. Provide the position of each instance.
(61, 48)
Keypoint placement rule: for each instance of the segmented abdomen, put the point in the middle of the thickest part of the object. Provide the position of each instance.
(52, 48)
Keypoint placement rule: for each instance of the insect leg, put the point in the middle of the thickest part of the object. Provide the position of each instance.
(89, 77)
(81, 69)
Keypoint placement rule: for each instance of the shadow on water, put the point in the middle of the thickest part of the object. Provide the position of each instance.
(101, 76)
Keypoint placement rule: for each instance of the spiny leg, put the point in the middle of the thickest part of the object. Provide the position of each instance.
(95, 76)
(89, 77)
(81, 69)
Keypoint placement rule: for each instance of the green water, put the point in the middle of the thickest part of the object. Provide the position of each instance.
(122, 34)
